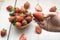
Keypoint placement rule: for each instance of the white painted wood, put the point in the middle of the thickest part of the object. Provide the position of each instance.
(4, 15)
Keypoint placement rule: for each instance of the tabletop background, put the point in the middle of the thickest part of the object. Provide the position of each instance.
(30, 31)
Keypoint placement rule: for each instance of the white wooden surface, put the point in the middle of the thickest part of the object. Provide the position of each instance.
(30, 31)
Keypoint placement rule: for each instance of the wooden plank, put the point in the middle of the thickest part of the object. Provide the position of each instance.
(4, 15)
